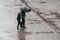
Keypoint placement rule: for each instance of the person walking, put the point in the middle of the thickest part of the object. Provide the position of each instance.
(21, 17)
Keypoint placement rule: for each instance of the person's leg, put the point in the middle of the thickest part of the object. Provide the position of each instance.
(18, 24)
(23, 23)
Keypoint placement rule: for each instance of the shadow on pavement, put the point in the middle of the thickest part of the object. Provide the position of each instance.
(21, 34)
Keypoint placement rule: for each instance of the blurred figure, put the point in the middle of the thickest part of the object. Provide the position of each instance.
(21, 17)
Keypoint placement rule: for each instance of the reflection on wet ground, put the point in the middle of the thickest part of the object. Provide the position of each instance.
(21, 34)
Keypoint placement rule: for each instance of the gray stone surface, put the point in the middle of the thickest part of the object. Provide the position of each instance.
(37, 28)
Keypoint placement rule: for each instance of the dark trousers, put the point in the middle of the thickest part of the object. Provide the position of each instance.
(19, 23)
(22, 24)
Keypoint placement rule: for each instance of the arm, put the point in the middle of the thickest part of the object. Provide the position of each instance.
(28, 10)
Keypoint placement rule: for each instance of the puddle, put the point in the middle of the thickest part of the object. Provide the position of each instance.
(44, 32)
(43, 2)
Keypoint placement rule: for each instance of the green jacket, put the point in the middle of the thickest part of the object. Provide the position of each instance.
(23, 14)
